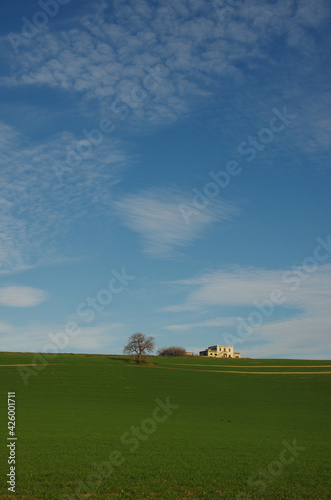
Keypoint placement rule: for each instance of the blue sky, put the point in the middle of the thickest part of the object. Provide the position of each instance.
(165, 169)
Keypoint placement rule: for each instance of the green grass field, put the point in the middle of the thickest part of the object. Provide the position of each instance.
(102, 427)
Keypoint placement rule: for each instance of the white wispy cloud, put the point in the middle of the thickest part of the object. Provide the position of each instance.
(37, 207)
(243, 286)
(238, 286)
(21, 296)
(5, 328)
(156, 216)
(306, 295)
(303, 337)
(215, 322)
(191, 45)
(40, 337)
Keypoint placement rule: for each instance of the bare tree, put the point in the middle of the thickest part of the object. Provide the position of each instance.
(140, 345)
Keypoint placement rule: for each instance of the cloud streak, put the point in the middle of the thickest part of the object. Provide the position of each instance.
(154, 214)
(208, 323)
(21, 296)
(37, 213)
(243, 286)
(195, 44)
(40, 338)
(304, 332)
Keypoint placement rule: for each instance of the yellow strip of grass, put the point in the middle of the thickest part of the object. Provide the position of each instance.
(36, 364)
(256, 366)
(237, 371)
(21, 365)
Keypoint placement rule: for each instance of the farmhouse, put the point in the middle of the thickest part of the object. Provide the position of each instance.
(220, 351)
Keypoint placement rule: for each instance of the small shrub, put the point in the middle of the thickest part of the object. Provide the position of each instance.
(172, 351)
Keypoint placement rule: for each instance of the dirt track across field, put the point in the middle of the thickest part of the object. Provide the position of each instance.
(37, 364)
(22, 365)
(258, 366)
(247, 373)
(234, 371)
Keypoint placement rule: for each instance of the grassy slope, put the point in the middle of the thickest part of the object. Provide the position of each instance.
(227, 426)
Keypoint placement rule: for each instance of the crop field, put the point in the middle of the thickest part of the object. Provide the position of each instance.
(104, 427)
